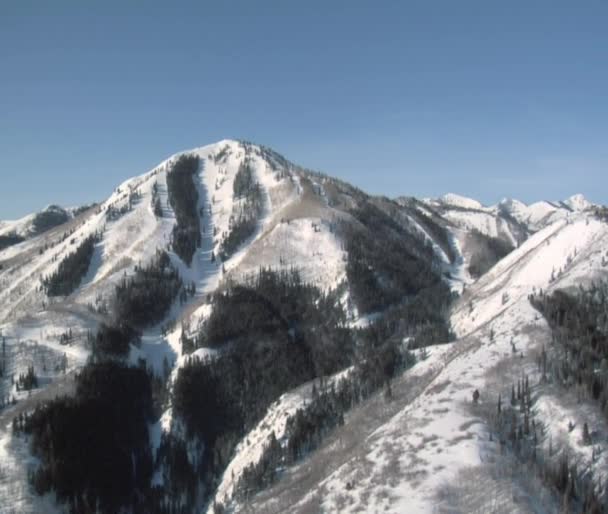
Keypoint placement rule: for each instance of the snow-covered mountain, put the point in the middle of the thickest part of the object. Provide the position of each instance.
(432, 448)
(390, 265)
(35, 224)
(510, 219)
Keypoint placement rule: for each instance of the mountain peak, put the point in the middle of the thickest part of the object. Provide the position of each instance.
(578, 202)
(512, 203)
(461, 201)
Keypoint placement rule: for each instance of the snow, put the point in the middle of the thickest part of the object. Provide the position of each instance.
(459, 276)
(306, 244)
(578, 202)
(19, 226)
(434, 438)
(429, 441)
(15, 492)
(571, 246)
(461, 201)
(499, 220)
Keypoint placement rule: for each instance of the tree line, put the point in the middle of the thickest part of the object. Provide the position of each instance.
(72, 269)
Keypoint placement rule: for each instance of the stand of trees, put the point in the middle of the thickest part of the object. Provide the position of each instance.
(113, 340)
(437, 231)
(27, 381)
(183, 197)
(277, 162)
(578, 356)
(50, 218)
(386, 263)
(156, 203)
(94, 449)
(601, 213)
(83, 208)
(304, 432)
(271, 303)
(422, 318)
(276, 333)
(10, 239)
(72, 269)
(113, 212)
(516, 430)
(145, 297)
(488, 251)
(180, 478)
(307, 428)
(248, 206)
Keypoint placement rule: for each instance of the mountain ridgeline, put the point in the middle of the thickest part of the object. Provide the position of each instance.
(223, 286)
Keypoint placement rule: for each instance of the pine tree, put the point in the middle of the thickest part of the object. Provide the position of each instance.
(586, 434)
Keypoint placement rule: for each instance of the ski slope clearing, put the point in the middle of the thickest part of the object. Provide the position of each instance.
(306, 244)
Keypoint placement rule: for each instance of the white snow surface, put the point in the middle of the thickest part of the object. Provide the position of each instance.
(578, 203)
(461, 201)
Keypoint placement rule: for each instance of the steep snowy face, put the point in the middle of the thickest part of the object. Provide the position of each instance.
(37, 223)
(533, 216)
(292, 226)
(565, 254)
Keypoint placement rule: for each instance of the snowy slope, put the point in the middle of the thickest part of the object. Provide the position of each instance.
(510, 218)
(429, 450)
(294, 231)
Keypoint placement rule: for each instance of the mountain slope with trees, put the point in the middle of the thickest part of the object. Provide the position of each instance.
(245, 313)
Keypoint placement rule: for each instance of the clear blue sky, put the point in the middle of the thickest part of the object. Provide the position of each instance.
(483, 98)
